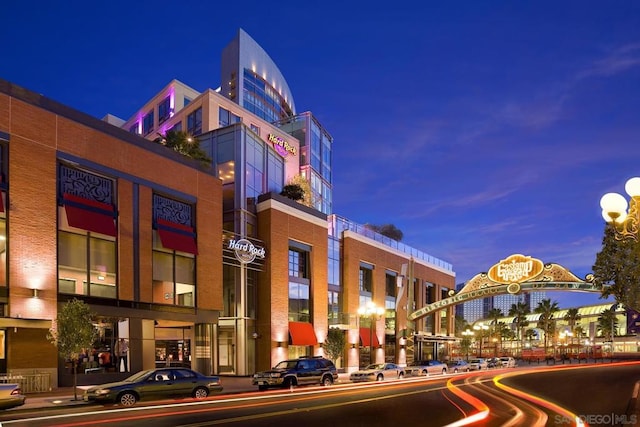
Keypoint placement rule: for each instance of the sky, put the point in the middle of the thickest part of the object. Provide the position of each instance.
(479, 129)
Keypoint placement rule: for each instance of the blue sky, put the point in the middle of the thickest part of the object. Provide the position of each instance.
(480, 129)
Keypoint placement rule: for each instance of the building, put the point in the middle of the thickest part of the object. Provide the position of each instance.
(200, 265)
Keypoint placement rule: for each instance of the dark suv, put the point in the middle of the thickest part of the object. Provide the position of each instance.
(304, 370)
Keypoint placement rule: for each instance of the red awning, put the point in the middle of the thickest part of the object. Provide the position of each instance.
(177, 237)
(365, 338)
(89, 215)
(302, 333)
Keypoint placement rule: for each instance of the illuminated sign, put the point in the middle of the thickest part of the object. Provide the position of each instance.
(515, 269)
(281, 146)
(246, 251)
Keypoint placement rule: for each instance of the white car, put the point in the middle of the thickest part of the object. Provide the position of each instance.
(478, 364)
(508, 362)
(377, 372)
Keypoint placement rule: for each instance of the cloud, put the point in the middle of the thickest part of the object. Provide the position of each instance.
(619, 60)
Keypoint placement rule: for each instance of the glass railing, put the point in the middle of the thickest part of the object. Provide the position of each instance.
(337, 225)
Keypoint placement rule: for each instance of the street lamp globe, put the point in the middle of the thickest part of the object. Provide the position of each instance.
(614, 207)
(632, 187)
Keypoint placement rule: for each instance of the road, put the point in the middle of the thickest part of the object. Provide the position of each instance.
(503, 397)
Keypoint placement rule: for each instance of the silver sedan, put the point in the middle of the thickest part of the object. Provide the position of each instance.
(377, 372)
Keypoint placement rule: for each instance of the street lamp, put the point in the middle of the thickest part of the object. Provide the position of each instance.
(614, 211)
(374, 313)
(481, 329)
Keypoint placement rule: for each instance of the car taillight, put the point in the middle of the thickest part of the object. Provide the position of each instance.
(15, 391)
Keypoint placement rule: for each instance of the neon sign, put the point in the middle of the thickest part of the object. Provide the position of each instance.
(281, 146)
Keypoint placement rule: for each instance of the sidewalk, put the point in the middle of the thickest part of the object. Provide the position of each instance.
(63, 396)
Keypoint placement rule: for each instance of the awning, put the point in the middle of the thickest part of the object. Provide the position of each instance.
(302, 333)
(365, 338)
(177, 236)
(89, 215)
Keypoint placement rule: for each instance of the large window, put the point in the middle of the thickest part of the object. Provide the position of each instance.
(366, 278)
(164, 109)
(226, 118)
(194, 122)
(255, 167)
(147, 123)
(299, 283)
(174, 250)
(87, 255)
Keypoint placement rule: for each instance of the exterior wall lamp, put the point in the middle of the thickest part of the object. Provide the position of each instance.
(614, 210)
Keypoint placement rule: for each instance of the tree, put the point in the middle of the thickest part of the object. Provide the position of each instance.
(293, 192)
(183, 143)
(520, 311)
(546, 308)
(617, 269)
(73, 332)
(607, 323)
(494, 314)
(572, 317)
(389, 230)
(299, 189)
(334, 344)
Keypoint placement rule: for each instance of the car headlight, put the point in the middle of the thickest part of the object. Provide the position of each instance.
(102, 391)
(275, 375)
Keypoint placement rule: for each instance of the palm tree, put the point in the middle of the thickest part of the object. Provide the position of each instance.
(520, 311)
(546, 322)
(572, 317)
(494, 314)
(608, 323)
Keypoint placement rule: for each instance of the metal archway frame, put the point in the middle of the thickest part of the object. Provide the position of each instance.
(528, 274)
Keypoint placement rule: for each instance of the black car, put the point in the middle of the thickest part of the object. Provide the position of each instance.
(160, 383)
(293, 372)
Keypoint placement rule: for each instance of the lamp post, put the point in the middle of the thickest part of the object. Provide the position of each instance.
(614, 211)
(481, 329)
(374, 313)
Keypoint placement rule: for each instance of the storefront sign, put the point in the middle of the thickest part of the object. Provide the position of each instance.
(516, 269)
(246, 251)
(281, 146)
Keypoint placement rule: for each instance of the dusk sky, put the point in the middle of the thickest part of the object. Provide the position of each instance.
(479, 128)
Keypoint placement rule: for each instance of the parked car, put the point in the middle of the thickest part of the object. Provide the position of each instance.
(11, 396)
(300, 371)
(377, 372)
(459, 366)
(425, 367)
(152, 384)
(494, 362)
(508, 362)
(478, 364)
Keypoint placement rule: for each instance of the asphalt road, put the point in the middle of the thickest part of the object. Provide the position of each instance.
(534, 397)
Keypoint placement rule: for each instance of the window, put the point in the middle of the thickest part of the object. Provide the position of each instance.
(390, 284)
(186, 101)
(256, 129)
(174, 250)
(87, 254)
(164, 110)
(227, 118)
(366, 279)
(194, 122)
(147, 123)
(299, 302)
(135, 128)
(298, 266)
(299, 282)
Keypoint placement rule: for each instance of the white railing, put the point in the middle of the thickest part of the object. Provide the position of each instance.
(37, 382)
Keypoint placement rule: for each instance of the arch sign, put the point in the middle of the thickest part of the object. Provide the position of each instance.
(516, 274)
